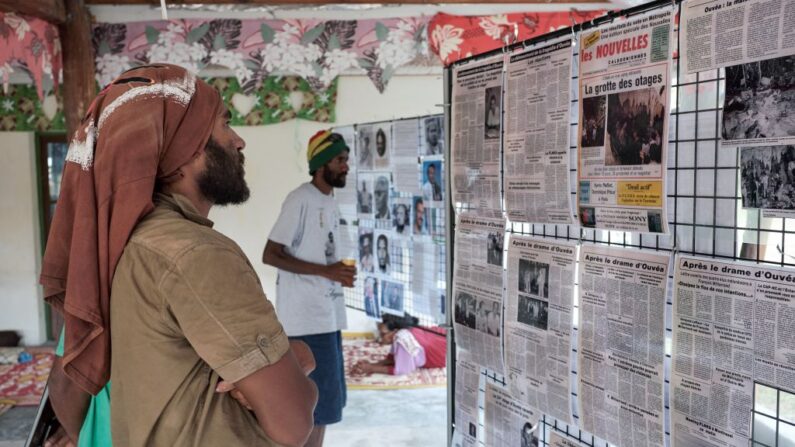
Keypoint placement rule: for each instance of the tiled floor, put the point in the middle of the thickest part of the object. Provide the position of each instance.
(394, 418)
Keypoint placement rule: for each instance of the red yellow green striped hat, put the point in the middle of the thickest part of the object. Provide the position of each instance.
(323, 147)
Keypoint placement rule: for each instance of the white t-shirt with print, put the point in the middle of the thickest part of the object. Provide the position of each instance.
(308, 227)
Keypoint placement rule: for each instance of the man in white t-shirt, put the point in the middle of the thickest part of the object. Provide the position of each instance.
(309, 300)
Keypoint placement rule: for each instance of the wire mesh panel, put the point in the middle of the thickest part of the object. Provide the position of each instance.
(705, 216)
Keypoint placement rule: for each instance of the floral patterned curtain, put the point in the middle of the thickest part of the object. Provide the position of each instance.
(316, 50)
(456, 37)
(31, 45)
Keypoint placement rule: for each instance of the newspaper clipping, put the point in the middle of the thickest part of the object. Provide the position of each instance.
(476, 131)
(767, 179)
(732, 326)
(467, 384)
(536, 147)
(622, 341)
(404, 155)
(509, 422)
(623, 128)
(478, 287)
(719, 33)
(538, 324)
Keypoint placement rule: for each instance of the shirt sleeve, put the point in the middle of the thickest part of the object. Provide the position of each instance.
(218, 303)
(404, 362)
(287, 224)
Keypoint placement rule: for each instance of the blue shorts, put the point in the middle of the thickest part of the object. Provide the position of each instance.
(329, 375)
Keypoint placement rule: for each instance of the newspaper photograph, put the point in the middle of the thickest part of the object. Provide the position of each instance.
(758, 104)
(509, 422)
(732, 326)
(365, 147)
(401, 216)
(767, 179)
(623, 124)
(364, 195)
(431, 136)
(719, 33)
(476, 132)
(536, 140)
(467, 384)
(347, 197)
(404, 155)
(382, 136)
(558, 440)
(538, 323)
(622, 344)
(478, 288)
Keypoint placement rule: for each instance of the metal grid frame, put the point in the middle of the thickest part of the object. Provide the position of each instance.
(354, 297)
(705, 212)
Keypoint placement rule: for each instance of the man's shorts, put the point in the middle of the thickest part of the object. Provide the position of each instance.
(329, 375)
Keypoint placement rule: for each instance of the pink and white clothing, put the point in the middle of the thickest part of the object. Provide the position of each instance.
(415, 348)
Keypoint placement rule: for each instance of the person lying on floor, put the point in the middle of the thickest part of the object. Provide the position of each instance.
(413, 347)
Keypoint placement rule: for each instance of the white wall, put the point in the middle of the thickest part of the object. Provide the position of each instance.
(21, 306)
(276, 161)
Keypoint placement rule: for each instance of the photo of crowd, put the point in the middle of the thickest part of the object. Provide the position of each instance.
(759, 100)
(768, 177)
(533, 312)
(635, 122)
(593, 123)
(534, 278)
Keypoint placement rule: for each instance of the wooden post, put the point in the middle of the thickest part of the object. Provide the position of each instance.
(49, 10)
(78, 64)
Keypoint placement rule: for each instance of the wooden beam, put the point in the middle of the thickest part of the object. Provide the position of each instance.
(78, 64)
(49, 10)
(316, 2)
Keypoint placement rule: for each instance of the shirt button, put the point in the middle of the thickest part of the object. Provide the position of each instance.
(262, 341)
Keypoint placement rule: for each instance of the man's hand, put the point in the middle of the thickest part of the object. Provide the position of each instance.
(304, 356)
(229, 387)
(341, 273)
(59, 439)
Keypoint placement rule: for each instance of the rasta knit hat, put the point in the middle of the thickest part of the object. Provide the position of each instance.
(323, 147)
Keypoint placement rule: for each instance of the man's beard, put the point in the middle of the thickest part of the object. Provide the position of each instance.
(223, 181)
(336, 181)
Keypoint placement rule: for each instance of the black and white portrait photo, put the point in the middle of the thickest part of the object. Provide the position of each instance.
(365, 147)
(465, 309)
(383, 141)
(534, 278)
(364, 194)
(494, 248)
(491, 127)
(366, 250)
(759, 100)
(382, 253)
(400, 218)
(533, 312)
(392, 297)
(371, 306)
(593, 121)
(432, 136)
(635, 127)
(381, 197)
(767, 176)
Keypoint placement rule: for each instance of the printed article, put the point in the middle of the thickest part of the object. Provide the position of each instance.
(536, 147)
(538, 324)
(347, 196)
(623, 128)
(720, 33)
(404, 155)
(767, 179)
(732, 326)
(622, 344)
(509, 422)
(426, 259)
(478, 288)
(467, 382)
(476, 132)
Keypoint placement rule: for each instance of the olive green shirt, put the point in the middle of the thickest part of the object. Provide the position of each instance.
(186, 308)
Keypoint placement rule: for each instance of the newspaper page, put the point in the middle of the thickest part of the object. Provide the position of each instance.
(467, 385)
(558, 440)
(622, 344)
(719, 33)
(509, 422)
(404, 155)
(767, 179)
(347, 197)
(538, 323)
(623, 128)
(732, 326)
(476, 132)
(536, 147)
(478, 288)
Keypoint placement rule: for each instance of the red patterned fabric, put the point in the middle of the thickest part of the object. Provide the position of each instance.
(24, 383)
(355, 350)
(456, 37)
(31, 45)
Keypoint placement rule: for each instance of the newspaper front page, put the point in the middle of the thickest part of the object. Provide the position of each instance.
(536, 147)
(467, 383)
(623, 130)
(478, 288)
(509, 422)
(538, 323)
(719, 33)
(732, 326)
(476, 132)
(622, 341)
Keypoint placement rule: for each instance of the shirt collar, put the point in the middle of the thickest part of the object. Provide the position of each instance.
(182, 205)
